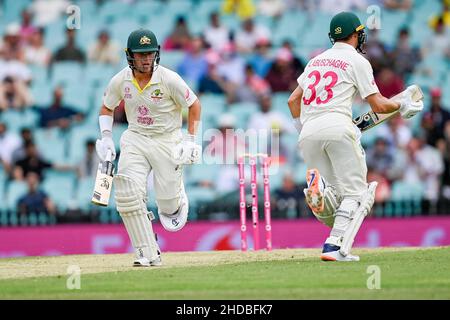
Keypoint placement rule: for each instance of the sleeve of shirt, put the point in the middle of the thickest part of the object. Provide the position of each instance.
(364, 80)
(300, 80)
(112, 95)
(180, 91)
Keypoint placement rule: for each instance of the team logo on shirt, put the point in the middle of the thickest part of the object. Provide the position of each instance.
(156, 95)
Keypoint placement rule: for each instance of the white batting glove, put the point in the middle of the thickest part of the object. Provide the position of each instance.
(408, 107)
(102, 146)
(297, 124)
(187, 151)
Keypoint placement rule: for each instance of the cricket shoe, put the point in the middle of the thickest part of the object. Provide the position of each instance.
(176, 221)
(314, 191)
(145, 262)
(331, 252)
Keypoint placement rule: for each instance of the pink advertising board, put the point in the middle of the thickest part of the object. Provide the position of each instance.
(201, 236)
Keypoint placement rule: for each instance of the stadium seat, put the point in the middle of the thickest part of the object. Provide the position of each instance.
(406, 191)
(15, 190)
(84, 193)
(60, 188)
(17, 120)
(66, 73)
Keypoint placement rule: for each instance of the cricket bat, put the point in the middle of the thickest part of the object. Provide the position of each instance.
(103, 182)
(371, 119)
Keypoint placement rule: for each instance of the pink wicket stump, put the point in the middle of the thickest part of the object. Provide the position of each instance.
(253, 159)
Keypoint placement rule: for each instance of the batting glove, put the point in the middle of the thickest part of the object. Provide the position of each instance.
(187, 152)
(408, 107)
(102, 146)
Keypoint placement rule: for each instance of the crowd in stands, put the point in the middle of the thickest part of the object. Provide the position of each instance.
(245, 68)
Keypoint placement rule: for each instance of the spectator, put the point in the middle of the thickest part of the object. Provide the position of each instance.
(268, 119)
(334, 7)
(404, 56)
(243, 8)
(14, 94)
(376, 51)
(9, 142)
(216, 35)
(35, 201)
(272, 8)
(395, 132)
(58, 115)
(9, 67)
(254, 87)
(249, 34)
(32, 162)
(104, 50)
(89, 164)
(440, 41)
(288, 199)
(180, 37)
(231, 70)
(194, 65)
(383, 191)
(282, 76)
(297, 63)
(444, 15)
(70, 52)
(13, 46)
(211, 82)
(435, 119)
(26, 28)
(444, 148)
(388, 82)
(46, 12)
(380, 157)
(35, 52)
(424, 166)
(404, 5)
(260, 60)
(26, 137)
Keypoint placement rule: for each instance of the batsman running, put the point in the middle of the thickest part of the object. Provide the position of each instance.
(154, 97)
(337, 190)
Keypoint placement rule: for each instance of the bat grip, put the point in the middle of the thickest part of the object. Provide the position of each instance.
(108, 155)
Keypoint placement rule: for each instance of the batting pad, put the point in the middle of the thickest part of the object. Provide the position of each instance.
(136, 218)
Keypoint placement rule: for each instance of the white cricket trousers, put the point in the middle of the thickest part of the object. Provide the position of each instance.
(331, 143)
(140, 154)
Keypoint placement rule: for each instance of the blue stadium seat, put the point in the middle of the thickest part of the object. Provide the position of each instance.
(78, 138)
(171, 59)
(243, 112)
(78, 97)
(407, 191)
(15, 190)
(60, 188)
(66, 73)
(51, 144)
(17, 120)
(84, 193)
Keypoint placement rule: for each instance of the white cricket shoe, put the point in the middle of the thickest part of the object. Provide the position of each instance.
(331, 252)
(145, 262)
(176, 221)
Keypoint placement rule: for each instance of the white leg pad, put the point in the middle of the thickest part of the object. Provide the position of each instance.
(136, 218)
(357, 219)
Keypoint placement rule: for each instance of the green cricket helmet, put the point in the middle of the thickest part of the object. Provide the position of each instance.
(141, 40)
(345, 24)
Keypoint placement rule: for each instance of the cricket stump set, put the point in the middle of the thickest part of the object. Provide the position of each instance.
(253, 161)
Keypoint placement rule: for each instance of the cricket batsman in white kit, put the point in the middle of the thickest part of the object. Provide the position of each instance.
(154, 97)
(337, 190)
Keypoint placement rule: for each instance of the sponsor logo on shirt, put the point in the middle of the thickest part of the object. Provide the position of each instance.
(127, 94)
(143, 117)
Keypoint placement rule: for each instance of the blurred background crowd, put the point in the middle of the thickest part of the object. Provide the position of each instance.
(242, 57)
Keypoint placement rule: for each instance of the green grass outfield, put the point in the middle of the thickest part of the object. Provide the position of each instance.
(405, 273)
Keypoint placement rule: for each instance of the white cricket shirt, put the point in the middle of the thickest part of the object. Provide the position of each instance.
(157, 107)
